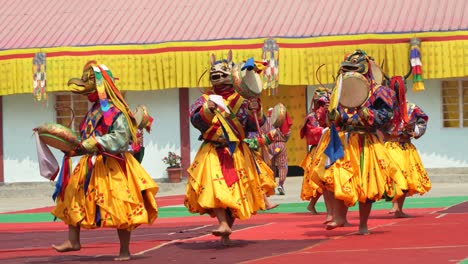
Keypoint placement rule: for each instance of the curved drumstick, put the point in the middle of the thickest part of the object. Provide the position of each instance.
(56, 107)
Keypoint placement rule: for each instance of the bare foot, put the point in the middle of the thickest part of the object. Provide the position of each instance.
(226, 241)
(270, 206)
(363, 230)
(347, 224)
(67, 246)
(122, 257)
(392, 211)
(328, 219)
(332, 225)
(400, 214)
(221, 231)
(312, 210)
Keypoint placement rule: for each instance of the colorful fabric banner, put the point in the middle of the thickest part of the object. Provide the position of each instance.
(39, 77)
(416, 64)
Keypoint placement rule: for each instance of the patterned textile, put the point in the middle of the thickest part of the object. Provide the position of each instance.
(39, 77)
(410, 164)
(403, 152)
(366, 168)
(417, 119)
(267, 176)
(278, 151)
(310, 188)
(312, 131)
(108, 187)
(208, 187)
(108, 190)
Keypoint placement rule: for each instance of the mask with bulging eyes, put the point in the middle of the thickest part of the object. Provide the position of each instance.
(221, 70)
(87, 83)
(358, 61)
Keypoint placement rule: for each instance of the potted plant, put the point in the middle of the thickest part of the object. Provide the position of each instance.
(174, 169)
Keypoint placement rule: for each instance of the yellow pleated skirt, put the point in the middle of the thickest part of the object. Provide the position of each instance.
(410, 164)
(311, 186)
(266, 174)
(207, 189)
(114, 197)
(365, 173)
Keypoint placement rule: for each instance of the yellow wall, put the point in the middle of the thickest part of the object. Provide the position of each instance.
(180, 64)
(294, 98)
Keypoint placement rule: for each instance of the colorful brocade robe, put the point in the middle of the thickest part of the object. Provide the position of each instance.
(380, 106)
(417, 119)
(240, 120)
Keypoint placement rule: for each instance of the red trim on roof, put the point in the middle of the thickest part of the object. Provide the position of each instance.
(366, 41)
(223, 47)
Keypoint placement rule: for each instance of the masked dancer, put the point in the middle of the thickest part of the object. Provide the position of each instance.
(108, 187)
(312, 129)
(409, 122)
(223, 178)
(351, 160)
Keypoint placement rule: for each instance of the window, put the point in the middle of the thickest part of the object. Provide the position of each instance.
(455, 103)
(68, 105)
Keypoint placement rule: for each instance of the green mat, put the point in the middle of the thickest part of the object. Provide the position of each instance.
(166, 212)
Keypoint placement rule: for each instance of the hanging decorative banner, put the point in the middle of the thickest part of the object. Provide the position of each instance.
(270, 55)
(39, 77)
(416, 64)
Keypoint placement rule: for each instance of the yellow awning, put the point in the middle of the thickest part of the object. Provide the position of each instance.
(180, 64)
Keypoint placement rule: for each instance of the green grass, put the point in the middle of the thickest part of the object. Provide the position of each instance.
(166, 212)
(411, 202)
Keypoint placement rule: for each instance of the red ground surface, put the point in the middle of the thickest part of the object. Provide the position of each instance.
(431, 236)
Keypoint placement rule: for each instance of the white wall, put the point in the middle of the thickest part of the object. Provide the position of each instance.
(439, 147)
(21, 115)
(163, 106)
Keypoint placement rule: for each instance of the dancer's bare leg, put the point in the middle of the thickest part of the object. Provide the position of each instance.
(124, 238)
(225, 240)
(346, 217)
(364, 212)
(311, 206)
(223, 228)
(268, 205)
(73, 242)
(230, 219)
(328, 198)
(394, 208)
(339, 214)
(398, 209)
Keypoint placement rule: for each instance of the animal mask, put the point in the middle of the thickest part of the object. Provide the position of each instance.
(321, 97)
(221, 70)
(98, 78)
(87, 83)
(358, 61)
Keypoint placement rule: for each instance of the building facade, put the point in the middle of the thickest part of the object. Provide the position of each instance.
(159, 61)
